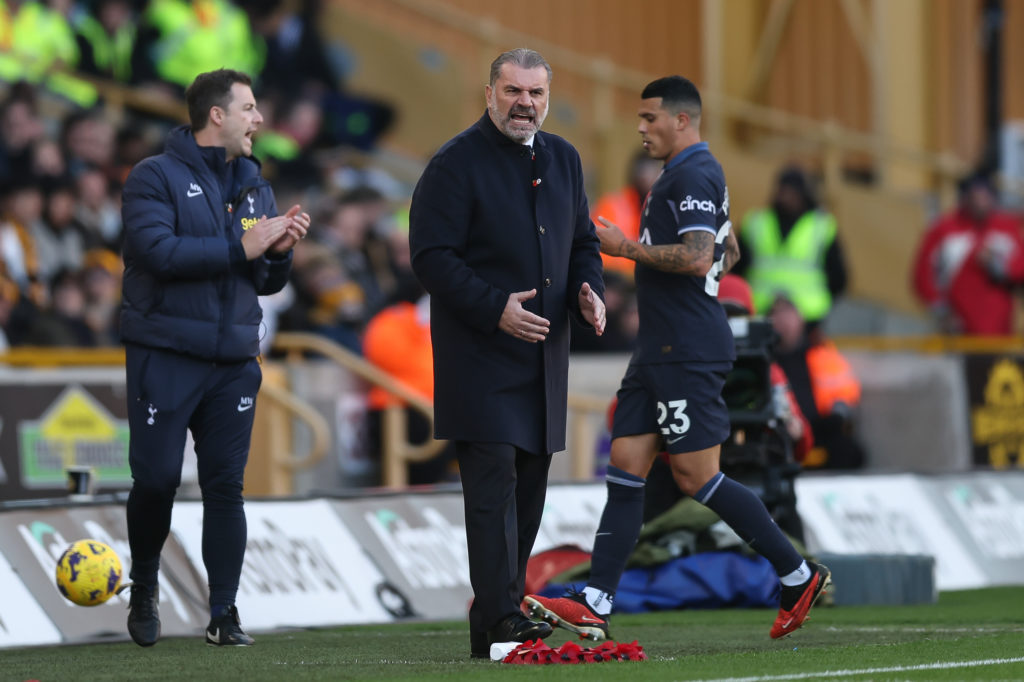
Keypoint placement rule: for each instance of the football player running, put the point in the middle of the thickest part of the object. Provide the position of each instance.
(670, 398)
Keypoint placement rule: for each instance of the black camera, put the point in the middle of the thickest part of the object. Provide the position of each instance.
(748, 388)
(759, 451)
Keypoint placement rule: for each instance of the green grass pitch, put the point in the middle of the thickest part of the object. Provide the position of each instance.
(967, 635)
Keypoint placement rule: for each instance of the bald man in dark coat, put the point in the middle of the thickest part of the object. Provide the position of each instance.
(502, 241)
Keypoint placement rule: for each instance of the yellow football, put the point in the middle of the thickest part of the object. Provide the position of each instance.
(88, 572)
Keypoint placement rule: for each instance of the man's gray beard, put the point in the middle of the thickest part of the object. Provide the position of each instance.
(506, 125)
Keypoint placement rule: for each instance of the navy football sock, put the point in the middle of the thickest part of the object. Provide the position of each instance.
(746, 514)
(617, 533)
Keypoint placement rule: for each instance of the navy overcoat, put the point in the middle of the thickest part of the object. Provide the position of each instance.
(489, 218)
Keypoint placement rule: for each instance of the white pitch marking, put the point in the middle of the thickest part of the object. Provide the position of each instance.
(874, 671)
(921, 629)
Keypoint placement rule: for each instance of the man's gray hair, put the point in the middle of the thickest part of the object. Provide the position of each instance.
(522, 57)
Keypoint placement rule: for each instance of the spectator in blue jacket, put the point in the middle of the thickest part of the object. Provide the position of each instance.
(199, 248)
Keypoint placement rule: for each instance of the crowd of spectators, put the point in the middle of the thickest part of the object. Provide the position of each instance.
(60, 224)
(64, 155)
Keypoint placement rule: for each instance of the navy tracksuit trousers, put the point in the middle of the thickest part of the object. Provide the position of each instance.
(168, 393)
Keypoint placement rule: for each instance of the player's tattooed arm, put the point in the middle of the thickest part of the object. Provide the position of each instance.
(694, 254)
(732, 251)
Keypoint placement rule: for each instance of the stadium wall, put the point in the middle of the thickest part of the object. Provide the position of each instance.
(385, 558)
(921, 412)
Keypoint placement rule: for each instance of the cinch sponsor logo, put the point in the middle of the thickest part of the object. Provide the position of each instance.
(248, 223)
(691, 204)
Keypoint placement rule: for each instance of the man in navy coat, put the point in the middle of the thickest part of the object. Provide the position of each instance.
(501, 240)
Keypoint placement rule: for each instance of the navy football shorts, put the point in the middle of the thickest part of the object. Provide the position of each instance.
(681, 401)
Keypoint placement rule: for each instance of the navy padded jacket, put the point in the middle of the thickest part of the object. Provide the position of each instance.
(187, 285)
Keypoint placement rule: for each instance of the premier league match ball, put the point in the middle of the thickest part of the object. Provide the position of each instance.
(88, 572)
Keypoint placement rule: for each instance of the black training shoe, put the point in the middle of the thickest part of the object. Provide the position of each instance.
(144, 614)
(227, 630)
(518, 628)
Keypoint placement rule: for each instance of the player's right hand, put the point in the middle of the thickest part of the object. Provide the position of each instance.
(611, 237)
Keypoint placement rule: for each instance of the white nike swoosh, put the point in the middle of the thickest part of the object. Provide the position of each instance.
(190, 193)
(674, 440)
(215, 637)
(243, 408)
(599, 534)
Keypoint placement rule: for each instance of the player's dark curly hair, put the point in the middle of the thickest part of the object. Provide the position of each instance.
(676, 93)
(211, 89)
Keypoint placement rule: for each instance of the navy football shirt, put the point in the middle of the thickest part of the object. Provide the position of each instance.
(680, 317)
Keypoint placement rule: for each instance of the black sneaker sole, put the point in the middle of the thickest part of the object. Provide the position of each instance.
(145, 643)
(219, 644)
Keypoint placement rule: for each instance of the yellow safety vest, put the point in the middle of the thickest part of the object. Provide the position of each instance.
(794, 267)
(10, 67)
(43, 39)
(112, 54)
(44, 45)
(200, 37)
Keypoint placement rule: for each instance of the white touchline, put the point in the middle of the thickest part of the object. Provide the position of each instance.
(874, 671)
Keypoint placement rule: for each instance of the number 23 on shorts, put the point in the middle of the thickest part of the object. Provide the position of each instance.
(675, 427)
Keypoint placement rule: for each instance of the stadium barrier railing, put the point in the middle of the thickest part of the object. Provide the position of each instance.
(397, 452)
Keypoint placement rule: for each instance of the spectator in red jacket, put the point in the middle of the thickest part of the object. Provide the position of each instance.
(969, 261)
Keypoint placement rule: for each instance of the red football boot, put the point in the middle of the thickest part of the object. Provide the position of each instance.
(570, 612)
(796, 601)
